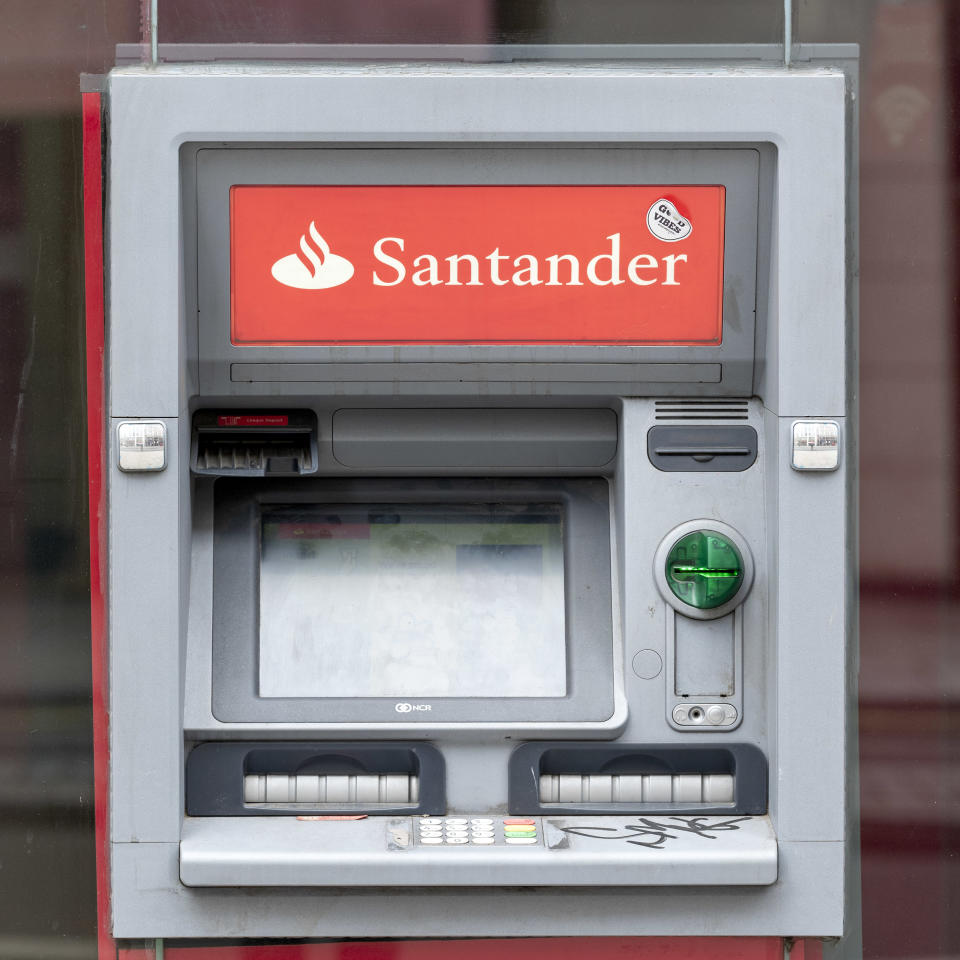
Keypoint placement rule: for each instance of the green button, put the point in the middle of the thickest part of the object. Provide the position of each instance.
(508, 832)
(704, 569)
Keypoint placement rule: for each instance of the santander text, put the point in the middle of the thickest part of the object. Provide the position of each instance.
(558, 270)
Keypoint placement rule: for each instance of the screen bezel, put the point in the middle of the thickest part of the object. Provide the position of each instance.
(238, 506)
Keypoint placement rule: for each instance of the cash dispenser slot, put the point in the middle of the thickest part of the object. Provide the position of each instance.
(254, 443)
(271, 779)
(586, 778)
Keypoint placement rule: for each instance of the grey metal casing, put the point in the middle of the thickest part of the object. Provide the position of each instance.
(797, 526)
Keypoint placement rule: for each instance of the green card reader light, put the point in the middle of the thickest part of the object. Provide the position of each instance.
(704, 569)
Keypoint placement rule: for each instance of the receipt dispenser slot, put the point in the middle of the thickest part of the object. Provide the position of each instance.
(254, 443)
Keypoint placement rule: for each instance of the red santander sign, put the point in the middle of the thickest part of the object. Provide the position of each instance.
(323, 265)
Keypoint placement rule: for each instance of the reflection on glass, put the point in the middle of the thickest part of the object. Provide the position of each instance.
(413, 601)
(470, 21)
(911, 600)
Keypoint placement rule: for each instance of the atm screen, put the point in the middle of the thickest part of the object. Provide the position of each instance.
(412, 601)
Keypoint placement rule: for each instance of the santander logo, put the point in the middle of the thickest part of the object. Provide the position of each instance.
(322, 270)
(395, 264)
(608, 267)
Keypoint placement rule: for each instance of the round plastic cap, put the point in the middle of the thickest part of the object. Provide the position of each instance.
(704, 569)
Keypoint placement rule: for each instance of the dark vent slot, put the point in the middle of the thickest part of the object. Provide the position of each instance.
(701, 449)
(701, 409)
(254, 444)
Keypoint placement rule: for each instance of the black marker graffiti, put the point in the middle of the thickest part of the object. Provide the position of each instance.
(648, 832)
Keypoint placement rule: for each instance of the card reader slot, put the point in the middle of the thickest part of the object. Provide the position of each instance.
(263, 779)
(705, 451)
(585, 778)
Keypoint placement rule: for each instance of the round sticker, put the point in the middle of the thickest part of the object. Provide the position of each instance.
(665, 222)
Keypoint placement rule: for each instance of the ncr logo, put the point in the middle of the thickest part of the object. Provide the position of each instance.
(315, 267)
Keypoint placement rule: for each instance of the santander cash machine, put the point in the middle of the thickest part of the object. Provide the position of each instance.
(479, 499)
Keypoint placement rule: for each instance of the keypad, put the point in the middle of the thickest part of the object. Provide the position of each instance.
(477, 831)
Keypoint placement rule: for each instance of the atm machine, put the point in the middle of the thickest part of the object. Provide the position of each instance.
(479, 516)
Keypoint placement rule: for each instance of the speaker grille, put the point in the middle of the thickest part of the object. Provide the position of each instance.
(701, 409)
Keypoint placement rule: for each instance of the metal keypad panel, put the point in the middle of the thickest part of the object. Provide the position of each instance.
(478, 831)
(315, 789)
(683, 788)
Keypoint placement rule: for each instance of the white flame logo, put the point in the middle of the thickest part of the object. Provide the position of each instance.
(326, 269)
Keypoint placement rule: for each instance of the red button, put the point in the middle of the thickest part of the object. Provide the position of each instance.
(519, 821)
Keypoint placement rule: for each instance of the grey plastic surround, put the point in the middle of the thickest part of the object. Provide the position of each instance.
(697, 622)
